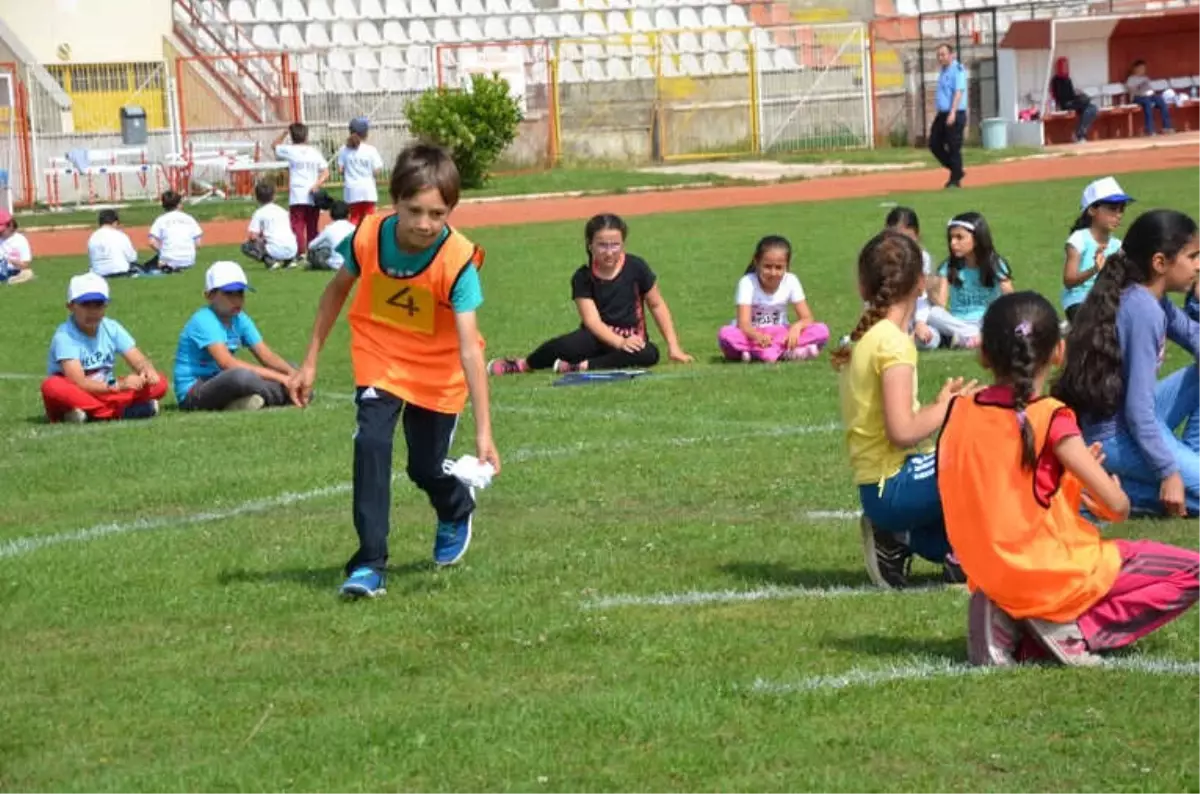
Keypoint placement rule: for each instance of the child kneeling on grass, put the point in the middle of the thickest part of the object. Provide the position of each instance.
(323, 251)
(888, 433)
(417, 356)
(208, 375)
(609, 294)
(271, 239)
(81, 385)
(1013, 471)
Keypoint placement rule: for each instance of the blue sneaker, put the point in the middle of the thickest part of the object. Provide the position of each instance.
(363, 583)
(452, 539)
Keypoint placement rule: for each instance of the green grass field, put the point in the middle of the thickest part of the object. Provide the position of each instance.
(168, 587)
(557, 180)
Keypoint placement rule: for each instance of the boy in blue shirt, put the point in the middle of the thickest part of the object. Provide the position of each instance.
(81, 385)
(208, 374)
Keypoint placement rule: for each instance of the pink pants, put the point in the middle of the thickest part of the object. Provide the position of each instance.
(1157, 584)
(733, 342)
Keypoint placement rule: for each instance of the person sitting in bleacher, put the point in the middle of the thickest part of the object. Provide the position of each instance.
(1068, 99)
(1145, 97)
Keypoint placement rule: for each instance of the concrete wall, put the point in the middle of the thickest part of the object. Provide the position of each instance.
(89, 31)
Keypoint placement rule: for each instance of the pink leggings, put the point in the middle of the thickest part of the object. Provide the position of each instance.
(733, 342)
(1157, 584)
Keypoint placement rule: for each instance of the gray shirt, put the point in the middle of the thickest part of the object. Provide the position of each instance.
(1138, 85)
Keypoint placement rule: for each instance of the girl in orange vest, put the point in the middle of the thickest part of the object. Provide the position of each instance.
(1013, 471)
(888, 433)
(417, 355)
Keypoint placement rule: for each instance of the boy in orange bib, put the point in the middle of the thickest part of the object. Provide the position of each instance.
(1013, 471)
(417, 356)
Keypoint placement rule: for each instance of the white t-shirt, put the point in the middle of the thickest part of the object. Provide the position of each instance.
(273, 223)
(923, 305)
(768, 309)
(332, 236)
(305, 164)
(359, 167)
(110, 251)
(177, 234)
(16, 249)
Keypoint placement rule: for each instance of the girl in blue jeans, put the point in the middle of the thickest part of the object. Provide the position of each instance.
(1114, 351)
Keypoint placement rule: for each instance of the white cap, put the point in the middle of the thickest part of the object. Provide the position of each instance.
(88, 287)
(227, 277)
(1105, 189)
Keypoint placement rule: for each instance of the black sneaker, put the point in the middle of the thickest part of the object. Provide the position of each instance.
(952, 572)
(888, 560)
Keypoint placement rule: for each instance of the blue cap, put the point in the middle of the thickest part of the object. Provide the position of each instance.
(88, 297)
(360, 125)
(235, 286)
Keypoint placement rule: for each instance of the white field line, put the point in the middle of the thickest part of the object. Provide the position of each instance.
(772, 593)
(923, 670)
(19, 376)
(25, 545)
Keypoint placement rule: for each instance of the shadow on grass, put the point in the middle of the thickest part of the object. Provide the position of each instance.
(953, 648)
(327, 578)
(781, 575)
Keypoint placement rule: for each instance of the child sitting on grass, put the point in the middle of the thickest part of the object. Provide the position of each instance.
(271, 240)
(323, 251)
(609, 294)
(969, 280)
(174, 236)
(208, 375)
(110, 251)
(81, 384)
(16, 257)
(761, 331)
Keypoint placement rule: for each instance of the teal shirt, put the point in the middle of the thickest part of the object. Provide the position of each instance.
(467, 295)
(970, 300)
(1083, 242)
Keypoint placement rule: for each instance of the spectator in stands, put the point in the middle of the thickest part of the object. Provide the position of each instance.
(272, 240)
(81, 384)
(359, 163)
(15, 254)
(1068, 99)
(174, 236)
(323, 251)
(1137, 83)
(110, 251)
(208, 374)
(946, 134)
(307, 172)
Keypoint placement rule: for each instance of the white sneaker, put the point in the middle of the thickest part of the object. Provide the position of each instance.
(75, 416)
(1064, 640)
(251, 402)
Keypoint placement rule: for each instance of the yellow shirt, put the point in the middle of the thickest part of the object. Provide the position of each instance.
(873, 457)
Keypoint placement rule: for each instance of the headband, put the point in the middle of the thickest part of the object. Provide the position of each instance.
(964, 224)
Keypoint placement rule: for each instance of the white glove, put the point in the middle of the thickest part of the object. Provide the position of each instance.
(470, 472)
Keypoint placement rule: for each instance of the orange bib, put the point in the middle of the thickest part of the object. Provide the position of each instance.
(403, 337)
(1032, 557)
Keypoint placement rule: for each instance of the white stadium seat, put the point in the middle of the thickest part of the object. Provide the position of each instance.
(713, 63)
(339, 60)
(494, 29)
(240, 11)
(319, 10)
(310, 83)
(293, 11)
(738, 63)
(444, 31)
(641, 21)
(418, 32)
(543, 27)
(447, 8)
(316, 36)
(342, 34)
(641, 68)
(664, 19)
(368, 34)
(345, 9)
(422, 9)
(568, 25)
(567, 73)
(617, 69)
(366, 58)
(393, 32)
(593, 71)
(468, 30)
(263, 37)
(396, 9)
(712, 41)
(735, 17)
(266, 11)
(362, 81)
(370, 10)
(688, 42)
(616, 22)
(689, 19)
(690, 65)
(497, 7)
(290, 37)
(391, 81)
(520, 28)
(522, 7)
(392, 58)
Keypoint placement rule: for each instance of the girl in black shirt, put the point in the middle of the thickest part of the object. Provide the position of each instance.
(610, 293)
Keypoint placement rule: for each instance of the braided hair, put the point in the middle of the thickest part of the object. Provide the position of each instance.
(1020, 332)
(889, 271)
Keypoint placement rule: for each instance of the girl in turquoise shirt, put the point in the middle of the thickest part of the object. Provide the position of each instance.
(969, 280)
(1092, 240)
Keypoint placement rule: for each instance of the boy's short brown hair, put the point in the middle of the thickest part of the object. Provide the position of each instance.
(423, 166)
(264, 192)
(298, 131)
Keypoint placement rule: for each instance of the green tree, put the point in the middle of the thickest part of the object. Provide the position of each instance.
(475, 125)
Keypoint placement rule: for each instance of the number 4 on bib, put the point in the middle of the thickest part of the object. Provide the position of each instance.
(410, 307)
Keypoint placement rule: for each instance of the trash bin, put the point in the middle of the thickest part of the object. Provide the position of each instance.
(133, 125)
(994, 133)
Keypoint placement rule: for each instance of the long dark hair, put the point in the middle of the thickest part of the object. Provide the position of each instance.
(1091, 381)
(889, 270)
(903, 218)
(985, 250)
(766, 244)
(1020, 332)
(598, 223)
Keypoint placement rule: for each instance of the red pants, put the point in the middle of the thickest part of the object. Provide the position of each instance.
(61, 395)
(1157, 584)
(360, 210)
(304, 218)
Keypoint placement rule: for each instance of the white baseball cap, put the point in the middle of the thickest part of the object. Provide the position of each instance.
(226, 276)
(1106, 190)
(88, 287)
